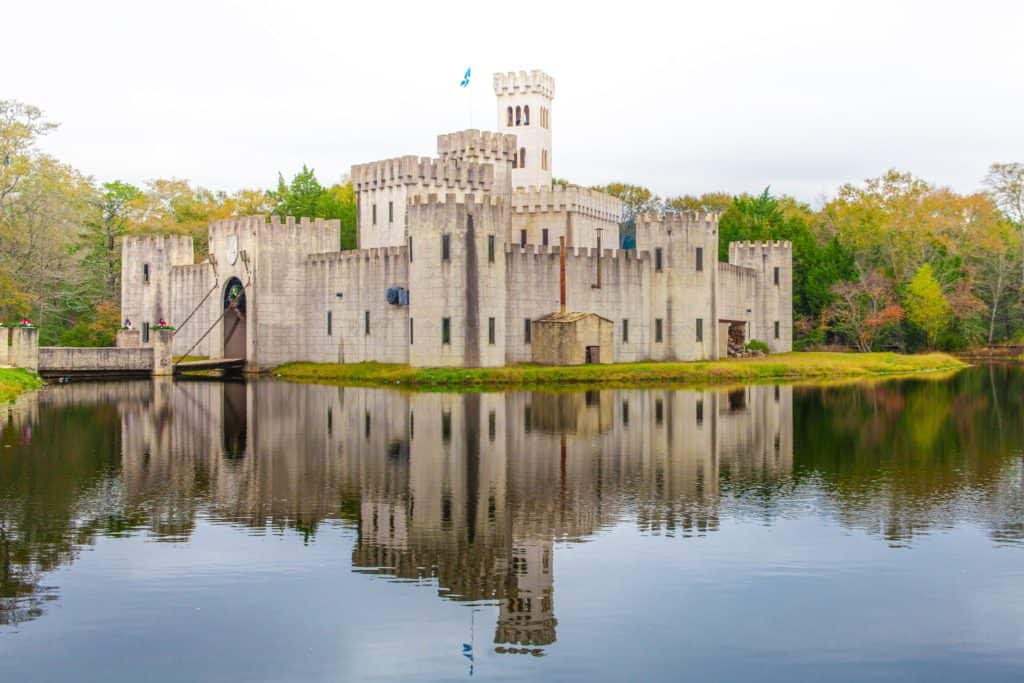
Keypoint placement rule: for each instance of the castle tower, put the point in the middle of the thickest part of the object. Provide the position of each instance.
(524, 110)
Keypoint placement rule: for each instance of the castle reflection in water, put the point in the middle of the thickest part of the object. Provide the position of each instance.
(470, 490)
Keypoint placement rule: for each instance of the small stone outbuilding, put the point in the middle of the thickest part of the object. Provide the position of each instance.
(572, 339)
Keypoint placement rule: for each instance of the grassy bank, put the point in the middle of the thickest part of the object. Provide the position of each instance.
(787, 366)
(14, 382)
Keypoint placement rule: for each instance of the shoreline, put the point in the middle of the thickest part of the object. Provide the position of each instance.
(14, 382)
(786, 367)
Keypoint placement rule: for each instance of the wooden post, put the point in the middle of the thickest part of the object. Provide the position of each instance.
(561, 259)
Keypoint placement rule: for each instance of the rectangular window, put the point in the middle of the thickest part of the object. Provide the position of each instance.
(391, 212)
(412, 425)
(366, 424)
(625, 330)
(145, 332)
(522, 238)
(492, 425)
(410, 332)
(700, 412)
(145, 273)
(657, 259)
(700, 329)
(776, 329)
(490, 248)
(445, 247)
(329, 331)
(410, 250)
(446, 330)
(657, 330)
(775, 275)
(527, 418)
(490, 330)
(373, 210)
(544, 237)
(700, 259)
(526, 330)
(659, 412)
(625, 414)
(366, 322)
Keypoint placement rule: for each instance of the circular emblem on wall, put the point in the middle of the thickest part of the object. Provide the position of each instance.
(231, 250)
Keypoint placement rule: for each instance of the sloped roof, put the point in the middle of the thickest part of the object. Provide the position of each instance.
(568, 317)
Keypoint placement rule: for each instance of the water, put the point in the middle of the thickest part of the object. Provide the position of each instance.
(275, 532)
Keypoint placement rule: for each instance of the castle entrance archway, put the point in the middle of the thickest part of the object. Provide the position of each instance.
(234, 319)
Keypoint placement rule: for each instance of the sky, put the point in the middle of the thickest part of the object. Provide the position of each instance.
(681, 97)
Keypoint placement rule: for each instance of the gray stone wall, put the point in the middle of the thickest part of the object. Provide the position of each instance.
(71, 361)
(347, 285)
(148, 299)
(467, 289)
(189, 285)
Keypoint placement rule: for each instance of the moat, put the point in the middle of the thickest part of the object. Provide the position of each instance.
(203, 530)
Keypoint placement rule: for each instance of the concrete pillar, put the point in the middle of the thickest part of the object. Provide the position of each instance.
(129, 339)
(5, 340)
(24, 349)
(162, 341)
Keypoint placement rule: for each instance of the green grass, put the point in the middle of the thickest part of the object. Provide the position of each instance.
(14, 382)
(787, 366)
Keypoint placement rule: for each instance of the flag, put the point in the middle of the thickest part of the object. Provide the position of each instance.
(465, 78)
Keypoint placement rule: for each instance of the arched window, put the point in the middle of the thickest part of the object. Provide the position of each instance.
(519, 115)
(522, 157)
(510, 117)
(526, 115)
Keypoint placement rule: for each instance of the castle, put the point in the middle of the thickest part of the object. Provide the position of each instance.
(459, 263)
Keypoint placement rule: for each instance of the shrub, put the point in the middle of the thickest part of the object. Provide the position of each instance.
(757, 345)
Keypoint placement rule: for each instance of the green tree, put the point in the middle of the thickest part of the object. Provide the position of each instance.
(304, 196)
(925, 304)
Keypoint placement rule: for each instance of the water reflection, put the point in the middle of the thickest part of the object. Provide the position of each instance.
(472, 492)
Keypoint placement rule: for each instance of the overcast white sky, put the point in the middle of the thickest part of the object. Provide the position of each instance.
(683, 97)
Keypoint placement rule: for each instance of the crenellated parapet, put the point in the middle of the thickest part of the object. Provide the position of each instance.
(354, 255)
(567, 198)
(751, 254)
(686, 219)
(423, 172)
(521, 82)
(175, 249)
(470, 145)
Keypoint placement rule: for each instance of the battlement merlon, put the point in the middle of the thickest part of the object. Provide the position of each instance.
(467, 145)
(521, 82)
(422, 171)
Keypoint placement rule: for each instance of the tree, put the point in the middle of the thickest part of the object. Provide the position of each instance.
(306, 197)
(114, 206)
(1006, 185)
(818, 262)
(864, 310)
(925, 304)
(715, 202)
(636, 200)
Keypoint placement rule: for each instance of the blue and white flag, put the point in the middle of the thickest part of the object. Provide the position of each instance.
(465, 78)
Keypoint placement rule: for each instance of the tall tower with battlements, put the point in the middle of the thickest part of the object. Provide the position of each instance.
(524, 110)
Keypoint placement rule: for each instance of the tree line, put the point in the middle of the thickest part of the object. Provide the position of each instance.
(894, 262)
